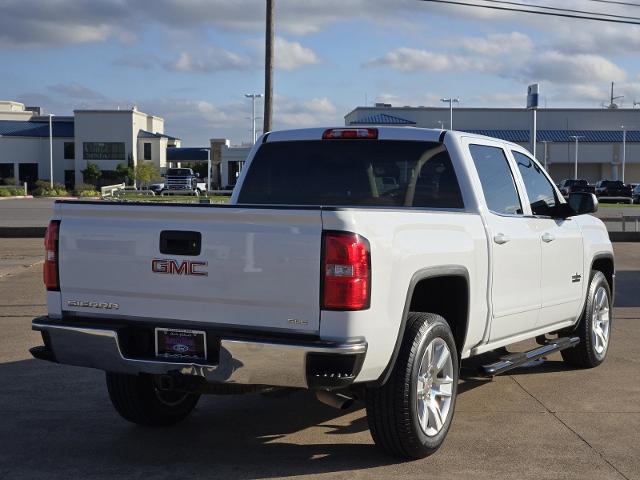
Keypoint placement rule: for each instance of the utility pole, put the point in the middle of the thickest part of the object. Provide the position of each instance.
(613, 105)
(253, 97)
(51, 150)
(575, 171)
(450, 101)
(624, 149)
(268, 68)
(545, 142)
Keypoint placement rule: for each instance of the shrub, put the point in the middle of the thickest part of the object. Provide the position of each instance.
(5, 192)
(9, 181)
(43, 188)
(83, 187)
(88, 193)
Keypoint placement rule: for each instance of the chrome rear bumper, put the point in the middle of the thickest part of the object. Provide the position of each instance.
(248, 362)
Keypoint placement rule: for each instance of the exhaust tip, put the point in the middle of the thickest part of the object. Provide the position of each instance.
(335, 400)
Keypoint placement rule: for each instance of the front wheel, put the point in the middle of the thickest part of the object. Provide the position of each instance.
(594, 329)
(138, 399)
(410, 415)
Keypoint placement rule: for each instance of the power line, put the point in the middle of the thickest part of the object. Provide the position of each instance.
(557, 9)
(537, 12)
(613, 2)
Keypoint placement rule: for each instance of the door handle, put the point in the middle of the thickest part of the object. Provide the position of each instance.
(501, 238)
(548, 237)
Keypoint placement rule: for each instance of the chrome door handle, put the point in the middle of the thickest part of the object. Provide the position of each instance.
(501, 238)
(547, 237)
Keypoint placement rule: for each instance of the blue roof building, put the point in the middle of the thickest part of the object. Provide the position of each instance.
(599, 134)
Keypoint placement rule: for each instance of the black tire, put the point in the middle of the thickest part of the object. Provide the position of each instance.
(585, 354)
(392, 409)
(136, 399)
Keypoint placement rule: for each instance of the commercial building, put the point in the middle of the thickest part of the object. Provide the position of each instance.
(599, 134)
(103, 137)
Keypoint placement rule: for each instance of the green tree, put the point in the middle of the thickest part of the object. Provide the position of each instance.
(146, 172)
(92, 173)
(125, 173)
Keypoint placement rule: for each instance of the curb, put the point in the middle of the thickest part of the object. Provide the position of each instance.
(18, 197)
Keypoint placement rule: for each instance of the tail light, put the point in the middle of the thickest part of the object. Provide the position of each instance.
(346, 271)
(350, 133)
(51, 278)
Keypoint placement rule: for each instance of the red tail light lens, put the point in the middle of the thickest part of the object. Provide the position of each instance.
(350, 133)
(51, 280)
(346, 272)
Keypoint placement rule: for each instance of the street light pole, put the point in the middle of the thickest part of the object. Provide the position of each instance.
(450, 101)
(253, 97)
(51, 150)
(575, 171)
(624, 150)
(545, 142)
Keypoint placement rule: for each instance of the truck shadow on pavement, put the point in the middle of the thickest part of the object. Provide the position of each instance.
(64, 414)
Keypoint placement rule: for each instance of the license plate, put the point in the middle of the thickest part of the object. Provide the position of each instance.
(185, 344)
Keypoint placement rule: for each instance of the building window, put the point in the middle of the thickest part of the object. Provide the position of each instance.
(147, 151)
(103, 150)
(69, 150)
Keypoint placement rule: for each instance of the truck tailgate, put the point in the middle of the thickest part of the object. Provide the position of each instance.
(257, 267)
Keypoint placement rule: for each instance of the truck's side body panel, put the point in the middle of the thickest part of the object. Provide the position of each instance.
(403, 243)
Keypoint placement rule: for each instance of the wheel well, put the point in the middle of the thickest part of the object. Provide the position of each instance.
(447, 296)
(605, 265)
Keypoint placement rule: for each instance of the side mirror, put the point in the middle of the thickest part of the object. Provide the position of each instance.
(582, 203)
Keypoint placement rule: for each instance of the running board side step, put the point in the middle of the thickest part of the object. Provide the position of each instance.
(515, 360)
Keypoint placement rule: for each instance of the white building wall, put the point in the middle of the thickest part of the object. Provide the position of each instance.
(231, 154)
(17, 150)
(103, 126)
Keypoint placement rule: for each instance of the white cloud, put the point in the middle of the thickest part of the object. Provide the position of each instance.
(497, 44)
(559, 67)
(210, 60)
(292, 55)
(405, 59)
(292, 112)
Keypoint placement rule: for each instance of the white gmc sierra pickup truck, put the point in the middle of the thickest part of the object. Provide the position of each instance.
(358, 262)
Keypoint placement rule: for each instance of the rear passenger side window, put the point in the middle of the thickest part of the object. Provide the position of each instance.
(497, 181)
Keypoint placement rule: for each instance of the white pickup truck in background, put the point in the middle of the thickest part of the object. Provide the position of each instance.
(358, 262)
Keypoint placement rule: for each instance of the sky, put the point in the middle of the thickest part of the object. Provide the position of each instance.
(192, 61)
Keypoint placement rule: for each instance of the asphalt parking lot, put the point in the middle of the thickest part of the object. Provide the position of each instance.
(543, 422)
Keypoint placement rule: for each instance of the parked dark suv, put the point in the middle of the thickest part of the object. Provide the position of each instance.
(613, 189)
(568, 186)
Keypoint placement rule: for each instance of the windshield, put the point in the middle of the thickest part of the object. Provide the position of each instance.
(352, 172)
(181, 172)
(611, 183)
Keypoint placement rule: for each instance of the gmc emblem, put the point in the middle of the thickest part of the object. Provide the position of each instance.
(174, 267)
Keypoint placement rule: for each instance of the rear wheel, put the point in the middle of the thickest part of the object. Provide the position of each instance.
(138, 399)
(411, 414)
(594, 329)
